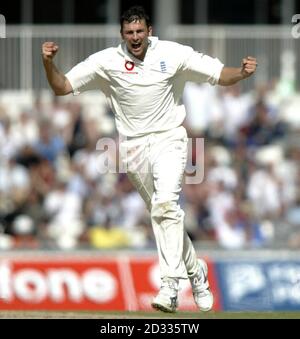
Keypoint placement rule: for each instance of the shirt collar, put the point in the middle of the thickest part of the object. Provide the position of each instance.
(153, 42)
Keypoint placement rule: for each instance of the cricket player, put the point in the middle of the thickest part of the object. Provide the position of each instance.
(143, 79)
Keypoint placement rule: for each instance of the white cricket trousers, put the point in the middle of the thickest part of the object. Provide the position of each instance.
(155, 165)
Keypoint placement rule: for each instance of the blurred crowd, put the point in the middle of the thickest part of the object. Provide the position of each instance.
(55, 192)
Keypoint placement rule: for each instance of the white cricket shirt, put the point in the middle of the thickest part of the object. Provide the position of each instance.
(145, 95)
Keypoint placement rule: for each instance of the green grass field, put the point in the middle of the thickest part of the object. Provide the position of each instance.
(146, 315)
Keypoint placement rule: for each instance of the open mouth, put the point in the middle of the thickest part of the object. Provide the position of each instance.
(136, 46)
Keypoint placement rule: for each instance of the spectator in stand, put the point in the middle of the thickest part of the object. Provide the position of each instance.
(263, 129)
(50, 145)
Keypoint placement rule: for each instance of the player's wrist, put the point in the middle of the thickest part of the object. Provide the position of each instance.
(243, 74)
(47, 59)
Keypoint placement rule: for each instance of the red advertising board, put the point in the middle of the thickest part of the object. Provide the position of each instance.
(89, 283)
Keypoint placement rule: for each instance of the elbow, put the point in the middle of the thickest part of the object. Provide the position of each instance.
(62, 89)
(60, 92)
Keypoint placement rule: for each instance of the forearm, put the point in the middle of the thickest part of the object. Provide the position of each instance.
(56, 79)
(230, 76)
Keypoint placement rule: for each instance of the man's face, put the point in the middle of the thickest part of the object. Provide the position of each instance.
(135, 34)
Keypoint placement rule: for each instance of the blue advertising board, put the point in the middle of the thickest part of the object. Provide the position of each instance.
(258, 285)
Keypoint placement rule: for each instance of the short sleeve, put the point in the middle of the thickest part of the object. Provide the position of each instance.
(85, 76)
(199, 67)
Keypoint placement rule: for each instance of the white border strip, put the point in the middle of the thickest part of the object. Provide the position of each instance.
(127, 284)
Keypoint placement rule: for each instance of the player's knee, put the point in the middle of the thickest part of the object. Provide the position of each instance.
(165, 211)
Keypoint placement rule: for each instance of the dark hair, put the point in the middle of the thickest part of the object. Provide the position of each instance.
(135, 13)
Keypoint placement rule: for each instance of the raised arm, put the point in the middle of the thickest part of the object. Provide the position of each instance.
(57, 80)
(230, 75)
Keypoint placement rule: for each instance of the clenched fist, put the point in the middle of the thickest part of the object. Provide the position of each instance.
(249, 66)
(49, 50)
